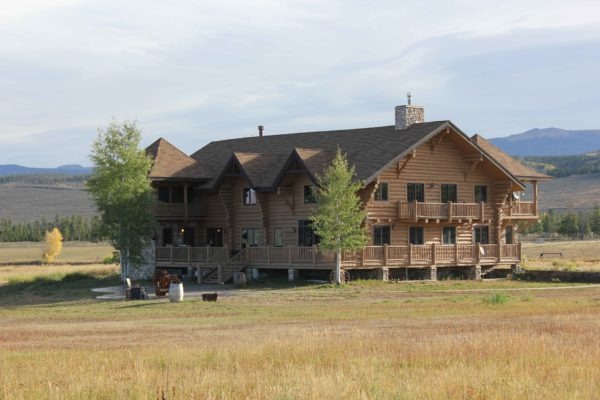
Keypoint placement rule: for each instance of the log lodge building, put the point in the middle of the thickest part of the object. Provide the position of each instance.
(438, 203)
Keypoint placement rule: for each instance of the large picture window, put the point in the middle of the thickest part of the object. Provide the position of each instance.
(381, 235)
(415, 192)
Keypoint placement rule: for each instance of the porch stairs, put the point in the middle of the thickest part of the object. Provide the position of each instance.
(234, 264)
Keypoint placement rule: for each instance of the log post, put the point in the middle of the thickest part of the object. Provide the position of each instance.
(449, 211)
(268, 254)
(433, 255)
(478, 257)
(290, 254)
(456, 253)
(185, 201)
(171, 254)
(385, 254)
(535, 198)
(220, 273)
(399, 206)
(314, 255)
(410, 254)
(415, 209)
(482, 212)
(519, 251)
(189, 254)
(362, 257)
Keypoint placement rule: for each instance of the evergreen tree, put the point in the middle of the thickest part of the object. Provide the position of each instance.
(338, 217)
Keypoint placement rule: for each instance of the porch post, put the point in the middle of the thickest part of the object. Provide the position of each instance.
(314, 255)
(410, 255)
(385, 255)
(449, 211)
(456, 253)
(433, 255)
(535, 198)
(185, 203)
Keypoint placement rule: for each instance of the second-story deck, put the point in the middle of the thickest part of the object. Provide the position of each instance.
(178, 210)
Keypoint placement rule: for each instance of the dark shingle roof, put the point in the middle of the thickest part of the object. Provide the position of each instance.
(168, 162)
(513, 166)
(262, 157)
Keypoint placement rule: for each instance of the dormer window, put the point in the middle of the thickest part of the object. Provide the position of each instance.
(310, 194)
(249, 197)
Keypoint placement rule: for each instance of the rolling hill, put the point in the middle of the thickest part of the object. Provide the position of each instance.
(13, 169)
(550, 142)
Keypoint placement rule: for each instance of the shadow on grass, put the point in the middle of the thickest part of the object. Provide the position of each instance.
(55, 288)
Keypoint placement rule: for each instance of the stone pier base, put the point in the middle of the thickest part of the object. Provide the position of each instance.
(383, 274)
(292, 274)
(433, 273)
(476, 272)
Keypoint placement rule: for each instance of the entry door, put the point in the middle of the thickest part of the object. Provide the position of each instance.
(214, 237)
(188, 236)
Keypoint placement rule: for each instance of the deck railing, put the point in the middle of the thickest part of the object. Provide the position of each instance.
(369, 256)
(178, 210)
(522, 208)
(417, 210)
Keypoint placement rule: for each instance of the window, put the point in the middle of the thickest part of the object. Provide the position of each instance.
(278, 238)
(381, 194)
(415, 192)
(306, 234)
(309, 194)
(167, 236)
(480, 194)
(508, 235)
(163, 194)
(415, 235)
(381, 235)
(448, 193)
(250, 237)
(481, 234)
(249, 197)
(449, 235)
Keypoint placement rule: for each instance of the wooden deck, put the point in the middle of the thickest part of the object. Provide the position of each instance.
(315, 258)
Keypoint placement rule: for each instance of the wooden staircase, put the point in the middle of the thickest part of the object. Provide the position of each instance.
(234, 264)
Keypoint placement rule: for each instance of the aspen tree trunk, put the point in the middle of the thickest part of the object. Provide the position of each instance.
(338, 263)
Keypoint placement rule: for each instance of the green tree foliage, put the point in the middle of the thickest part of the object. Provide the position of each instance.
(121, 189)
(569, 225)
(338, 216)
(79, 228)
(561, 166)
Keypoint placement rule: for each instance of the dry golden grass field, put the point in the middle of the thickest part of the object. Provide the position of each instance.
(73, 252)
(366, 340)
(578, 255)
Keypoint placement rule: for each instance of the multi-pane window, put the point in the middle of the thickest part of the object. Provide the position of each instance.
(448, 193)
(309, 194)
(415, 192)
(480, 194)
(278, 237)
(415, 235)
(381, 194)
(381, 235)
(250, 237)
(249, 197)
(481, 234)
(306, 234)
(449, 235)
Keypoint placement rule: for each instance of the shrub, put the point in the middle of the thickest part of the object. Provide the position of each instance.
(53, 245)
(496, 299)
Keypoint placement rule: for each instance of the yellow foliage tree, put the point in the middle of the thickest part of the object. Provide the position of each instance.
(54, 244)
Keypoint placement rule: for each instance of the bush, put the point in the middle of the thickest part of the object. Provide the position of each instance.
(114, 259)
(53, 245)
(496, 299)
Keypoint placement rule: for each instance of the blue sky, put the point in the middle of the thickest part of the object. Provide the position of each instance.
(194, 71)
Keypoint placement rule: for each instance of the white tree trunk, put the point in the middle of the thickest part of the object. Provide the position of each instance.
(338, 264)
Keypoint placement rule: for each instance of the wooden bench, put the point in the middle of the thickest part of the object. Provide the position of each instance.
(554, 254)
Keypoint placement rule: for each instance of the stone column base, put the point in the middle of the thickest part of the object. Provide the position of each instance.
(292, 274)
(383, 274)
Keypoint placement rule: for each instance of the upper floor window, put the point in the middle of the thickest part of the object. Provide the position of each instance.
(449, 235)
(415, 192)
(481, 234)
(381, 194)
(448, 193)
(480, 194)
(381, 235)
(416, 235)
(310, 194)
(249, 197)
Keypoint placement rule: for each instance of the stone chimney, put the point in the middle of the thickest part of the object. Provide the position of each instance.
(409, 114)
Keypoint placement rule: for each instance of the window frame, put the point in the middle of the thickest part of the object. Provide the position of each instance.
(377, 196)
(453, 236)
(422, 235)
(255, 236)
(448, 186)
(252, 197)
(480, 228)
(381, 241)
(415, 192)
(485, 193)
(310, 195)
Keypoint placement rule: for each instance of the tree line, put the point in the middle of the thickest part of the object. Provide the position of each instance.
(44, 179)
(74, 227)
(561, 166)
(572, 224)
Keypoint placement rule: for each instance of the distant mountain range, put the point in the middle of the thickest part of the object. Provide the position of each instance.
(13, 169)
(550, 142)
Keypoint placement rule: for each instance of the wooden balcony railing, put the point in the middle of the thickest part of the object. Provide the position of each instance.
(370, 256)
(447, 211)
(521, 209)
(178, 210)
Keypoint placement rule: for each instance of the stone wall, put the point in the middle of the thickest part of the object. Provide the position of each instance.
(146, 270)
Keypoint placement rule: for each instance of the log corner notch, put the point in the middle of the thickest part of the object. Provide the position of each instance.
(433, 142)
(471, 162)
(402, 165)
